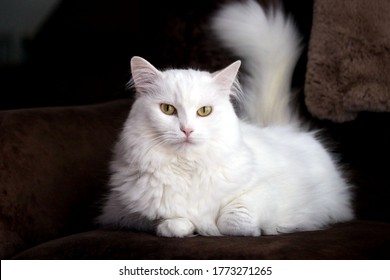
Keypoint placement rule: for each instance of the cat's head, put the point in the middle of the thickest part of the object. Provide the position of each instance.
(184, 109)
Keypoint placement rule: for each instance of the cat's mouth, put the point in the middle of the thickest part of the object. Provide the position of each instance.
(187, 141)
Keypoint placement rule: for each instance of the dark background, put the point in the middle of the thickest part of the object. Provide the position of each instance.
(81, 53)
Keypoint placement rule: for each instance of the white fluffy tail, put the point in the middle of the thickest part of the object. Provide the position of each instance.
(269, 46)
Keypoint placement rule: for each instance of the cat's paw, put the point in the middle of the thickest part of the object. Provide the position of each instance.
(178, 227)
(237, 222)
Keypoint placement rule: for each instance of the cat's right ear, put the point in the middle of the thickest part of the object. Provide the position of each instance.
(144, 74)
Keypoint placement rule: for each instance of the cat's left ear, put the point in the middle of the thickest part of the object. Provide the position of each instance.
(226, 77)
(144, 74)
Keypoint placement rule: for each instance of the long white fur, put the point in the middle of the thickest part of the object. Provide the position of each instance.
(269, 44)
(229, 176)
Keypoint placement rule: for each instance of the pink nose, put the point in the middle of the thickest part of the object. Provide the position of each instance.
(187, 131)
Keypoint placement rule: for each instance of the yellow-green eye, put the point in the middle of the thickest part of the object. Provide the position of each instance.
(167, 109)
(204, 111)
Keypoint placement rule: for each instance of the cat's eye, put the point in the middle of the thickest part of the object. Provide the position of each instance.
(204, 111)
(167, 109)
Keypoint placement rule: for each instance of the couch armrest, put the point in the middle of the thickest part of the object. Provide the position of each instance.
(53, 169)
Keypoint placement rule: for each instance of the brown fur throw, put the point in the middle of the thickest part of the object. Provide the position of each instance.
(349, 59)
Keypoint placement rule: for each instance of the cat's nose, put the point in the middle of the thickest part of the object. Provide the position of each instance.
(187, 131)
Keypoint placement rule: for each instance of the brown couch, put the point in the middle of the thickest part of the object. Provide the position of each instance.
(53, 174)
(53, 160)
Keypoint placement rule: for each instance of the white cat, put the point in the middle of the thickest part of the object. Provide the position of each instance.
(185, 163)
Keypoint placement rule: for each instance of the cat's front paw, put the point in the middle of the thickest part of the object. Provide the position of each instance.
(237, 222)
(178, 227)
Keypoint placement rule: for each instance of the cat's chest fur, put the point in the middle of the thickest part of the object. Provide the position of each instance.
(180, 186)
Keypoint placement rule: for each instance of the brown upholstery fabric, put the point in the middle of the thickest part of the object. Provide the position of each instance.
(349, 59)
(355, 240)
(53, 166)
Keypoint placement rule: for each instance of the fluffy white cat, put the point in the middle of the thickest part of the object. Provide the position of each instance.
(185, 163)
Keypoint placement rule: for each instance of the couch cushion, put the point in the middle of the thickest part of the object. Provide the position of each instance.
(53, 169)
(354, 240)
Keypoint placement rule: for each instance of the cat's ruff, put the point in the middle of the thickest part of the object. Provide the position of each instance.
(185, 164)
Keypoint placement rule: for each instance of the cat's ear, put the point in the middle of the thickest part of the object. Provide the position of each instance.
(144, 74)
(226, 77)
